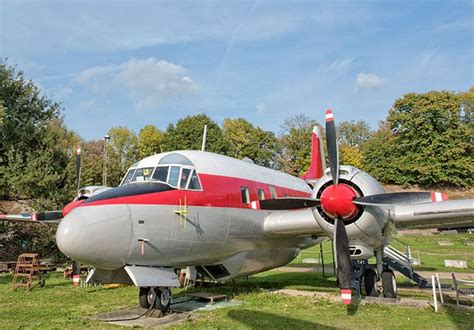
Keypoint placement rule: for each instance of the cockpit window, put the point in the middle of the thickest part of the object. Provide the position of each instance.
(173, 177)
(184, 177)
(194, 183)
(161, 173)
(178, 176)
(129, 176)
(143, 174)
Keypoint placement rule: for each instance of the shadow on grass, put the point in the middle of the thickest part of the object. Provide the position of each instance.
(256, 319)
(272, 280)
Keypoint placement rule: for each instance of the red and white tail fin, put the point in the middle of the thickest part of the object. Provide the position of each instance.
(318, 159)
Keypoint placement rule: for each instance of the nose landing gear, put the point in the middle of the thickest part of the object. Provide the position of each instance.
(155, 297)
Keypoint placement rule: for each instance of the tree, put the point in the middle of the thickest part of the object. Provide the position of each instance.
(294, 144)
(32, 154)
(352, 133)
(427, 141)
(379, 155)
(188, 132)
(122, 153)
(246, 140)
(150, 139)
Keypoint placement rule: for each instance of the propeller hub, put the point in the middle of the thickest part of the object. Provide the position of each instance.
(336, 201)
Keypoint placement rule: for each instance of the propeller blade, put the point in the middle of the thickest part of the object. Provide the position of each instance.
(401, 198)
(331, 141)
(288, 203)
(343, 261)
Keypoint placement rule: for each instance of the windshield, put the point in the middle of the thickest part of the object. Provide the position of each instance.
(182, 177)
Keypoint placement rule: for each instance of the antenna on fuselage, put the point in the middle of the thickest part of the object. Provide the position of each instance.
(204, 135)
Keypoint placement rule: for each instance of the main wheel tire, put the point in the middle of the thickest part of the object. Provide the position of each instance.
(163, 299)
(389, 284)
(146, 297)
(370, 283)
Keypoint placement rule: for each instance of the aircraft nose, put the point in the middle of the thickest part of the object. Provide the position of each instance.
(99, 236)
(71, 236)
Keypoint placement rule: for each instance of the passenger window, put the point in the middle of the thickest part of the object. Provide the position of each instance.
(244, 192)
(143, 174)
(261, 194)
(194, 183)
(161, 173)
(129, 176)
(174, 176)
(184, 177)
(273, 192)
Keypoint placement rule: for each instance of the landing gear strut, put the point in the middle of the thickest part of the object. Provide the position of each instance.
(157, 297)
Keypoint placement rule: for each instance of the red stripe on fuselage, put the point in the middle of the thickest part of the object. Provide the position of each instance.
(218, 191)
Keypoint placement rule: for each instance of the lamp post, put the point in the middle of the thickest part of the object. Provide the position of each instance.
(106, 138)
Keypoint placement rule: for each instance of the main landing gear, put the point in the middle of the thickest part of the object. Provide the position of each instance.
(377, 282)
(155, 297)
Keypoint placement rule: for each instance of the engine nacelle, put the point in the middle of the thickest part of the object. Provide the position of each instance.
(369, 225)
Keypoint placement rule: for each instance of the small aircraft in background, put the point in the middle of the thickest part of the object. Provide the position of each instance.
(228, 218)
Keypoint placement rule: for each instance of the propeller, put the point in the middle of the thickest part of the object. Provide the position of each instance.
(337, 201)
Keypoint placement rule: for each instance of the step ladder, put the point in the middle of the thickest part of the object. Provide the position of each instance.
(27, 269)
(403, 263)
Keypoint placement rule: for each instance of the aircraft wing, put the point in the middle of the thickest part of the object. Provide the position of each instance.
(446, 214)
(43, 217)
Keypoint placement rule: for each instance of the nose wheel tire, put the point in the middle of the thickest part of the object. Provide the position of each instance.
(163, 299)
(389, 284)
(146, 297)
(160, 296)
(370, 283)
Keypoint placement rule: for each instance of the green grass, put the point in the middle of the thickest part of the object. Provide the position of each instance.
(427, 248)
(59, 305)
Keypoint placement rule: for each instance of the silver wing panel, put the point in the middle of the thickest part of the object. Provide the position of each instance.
(451, 213)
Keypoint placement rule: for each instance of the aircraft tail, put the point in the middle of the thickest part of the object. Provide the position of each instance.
(318, 158)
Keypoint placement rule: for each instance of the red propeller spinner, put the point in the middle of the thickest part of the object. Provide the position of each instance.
(337, 201)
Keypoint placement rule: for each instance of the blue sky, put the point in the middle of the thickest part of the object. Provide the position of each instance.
(133, 63)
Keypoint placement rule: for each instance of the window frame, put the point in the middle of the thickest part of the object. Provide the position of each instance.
(126, 174)
(273, 192)
(247, 194)
(262, 192)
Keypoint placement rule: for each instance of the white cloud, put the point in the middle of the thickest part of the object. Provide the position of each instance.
(369, 81)
(148, 81)
(261, 107)
(96, 71)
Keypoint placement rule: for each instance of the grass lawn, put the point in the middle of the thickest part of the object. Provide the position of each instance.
(59, 305)
(427, 248)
